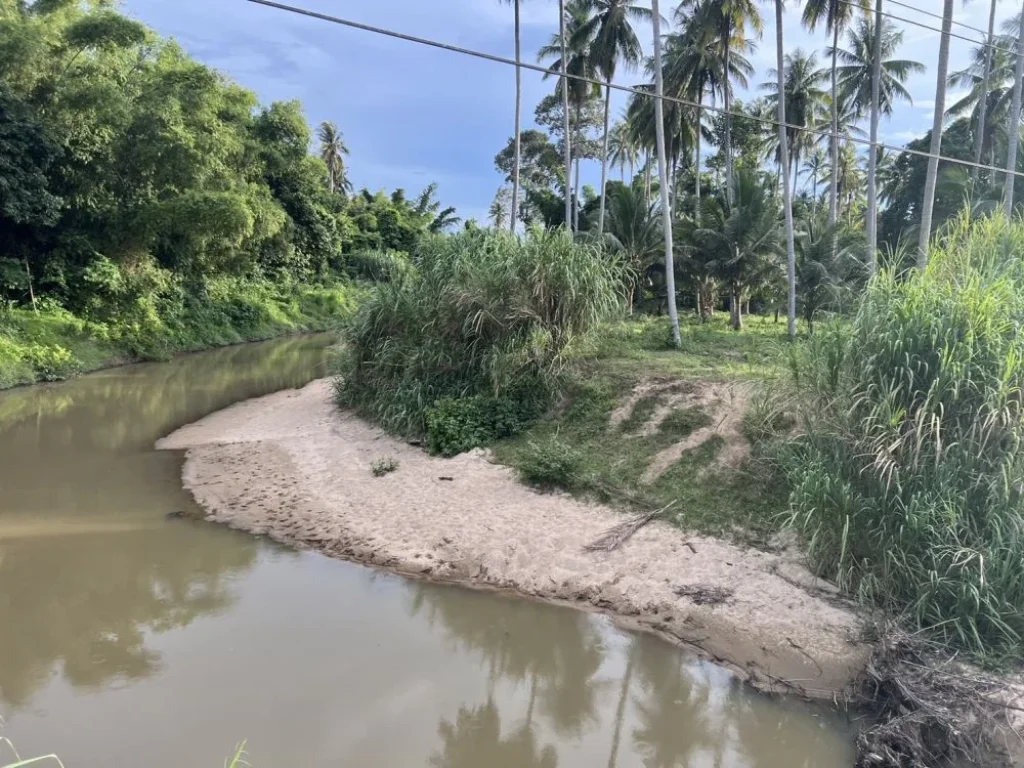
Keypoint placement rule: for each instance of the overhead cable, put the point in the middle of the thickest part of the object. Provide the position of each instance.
(614, 86)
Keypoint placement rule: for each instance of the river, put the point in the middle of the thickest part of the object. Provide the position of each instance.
(130, 635)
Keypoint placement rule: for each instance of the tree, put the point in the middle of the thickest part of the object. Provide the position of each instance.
(856, 74)
(584, 126)
(836, 14)
(518, 120)
(730, 19)
(828, 264)
(695, 66)
(613, 40)
(816, 165)
(1013, 123)
(875, 114)
(633, 233)
(979, 137)
(622, 150)
(333, 152)
(933, 162)
(539, 161)
(741, 238)
(666, 208)
(499, 211)
(787, 205)
(801, 80)
(572, 47)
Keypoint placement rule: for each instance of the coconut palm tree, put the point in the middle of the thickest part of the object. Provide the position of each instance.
(805, 103)
(856, 74)
(333, 152)
(979, 136)
(730, 20)
(695, 62)
(836, 15)
(613, 42)
(816, 166)
(623, 151)
(936, 146)
(875, 113)
(787, 203)
(571, 46)
(741, 239)
(666, 210)
(1013, 123)
(519, 120)
(633, 233)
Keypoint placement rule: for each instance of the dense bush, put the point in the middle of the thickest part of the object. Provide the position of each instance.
(482, 315)
(908, 478)
(55, 344)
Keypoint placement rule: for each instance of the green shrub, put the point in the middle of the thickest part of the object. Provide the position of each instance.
(551, 463)
(483, 314)
(909, 474)
(377, 266)
(51, 362)
(454, 426)
(384, 466)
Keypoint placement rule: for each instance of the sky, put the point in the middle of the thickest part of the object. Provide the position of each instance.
(412, 115)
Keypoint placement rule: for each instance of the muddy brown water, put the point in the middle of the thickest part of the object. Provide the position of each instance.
(128, 637)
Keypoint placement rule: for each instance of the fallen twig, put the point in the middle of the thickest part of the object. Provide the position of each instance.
(619, 534)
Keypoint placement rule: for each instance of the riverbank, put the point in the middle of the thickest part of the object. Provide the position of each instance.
(291, 466)
(53, 344)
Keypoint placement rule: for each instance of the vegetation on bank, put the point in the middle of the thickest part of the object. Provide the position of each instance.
(908, 479)
(149, 205)
(467, 345)
(51, 343)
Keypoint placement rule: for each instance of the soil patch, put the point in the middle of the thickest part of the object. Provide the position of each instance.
(293, 467)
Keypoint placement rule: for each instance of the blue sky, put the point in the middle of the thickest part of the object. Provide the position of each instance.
(412, 115)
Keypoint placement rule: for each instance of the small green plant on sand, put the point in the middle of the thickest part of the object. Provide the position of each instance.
(550, 463)
(384, 466)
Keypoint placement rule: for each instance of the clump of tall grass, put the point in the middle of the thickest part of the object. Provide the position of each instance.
(909, 469)
(479, 314)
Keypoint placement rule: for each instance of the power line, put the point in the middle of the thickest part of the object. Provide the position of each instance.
(922, 25)
(923, 12)
(614, 86)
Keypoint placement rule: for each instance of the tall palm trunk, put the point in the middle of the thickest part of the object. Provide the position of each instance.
(727, 101)
(576, 198)
(666, 209)
(647, 178)
(696, 167)
(986, 82)
(519, 109)
(604, 156)
(565, 116)
(833, 191)
(936, 147)
(876, 90)
(1013, 124)
(787, 201)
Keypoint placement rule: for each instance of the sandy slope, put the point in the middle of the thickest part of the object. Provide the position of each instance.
(291, 466)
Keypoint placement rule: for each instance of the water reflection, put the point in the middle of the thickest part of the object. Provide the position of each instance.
(476, 736)
(565, 676)
(89, 562)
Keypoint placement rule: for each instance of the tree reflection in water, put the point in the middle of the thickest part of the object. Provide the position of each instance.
(89, 564)
(475, 740)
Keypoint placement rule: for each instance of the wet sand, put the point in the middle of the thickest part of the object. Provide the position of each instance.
(293, 467)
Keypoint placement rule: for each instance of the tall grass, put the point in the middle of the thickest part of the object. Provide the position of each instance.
(908, 476)
(480, 315)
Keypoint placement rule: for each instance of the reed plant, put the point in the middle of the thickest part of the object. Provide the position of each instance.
(480, 314)
(908, 471)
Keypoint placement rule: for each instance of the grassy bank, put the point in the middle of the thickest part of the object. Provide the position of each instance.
(631, 403)
(52, 343)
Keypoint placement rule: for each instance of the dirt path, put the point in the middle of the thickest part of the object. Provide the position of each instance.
(292, 467)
